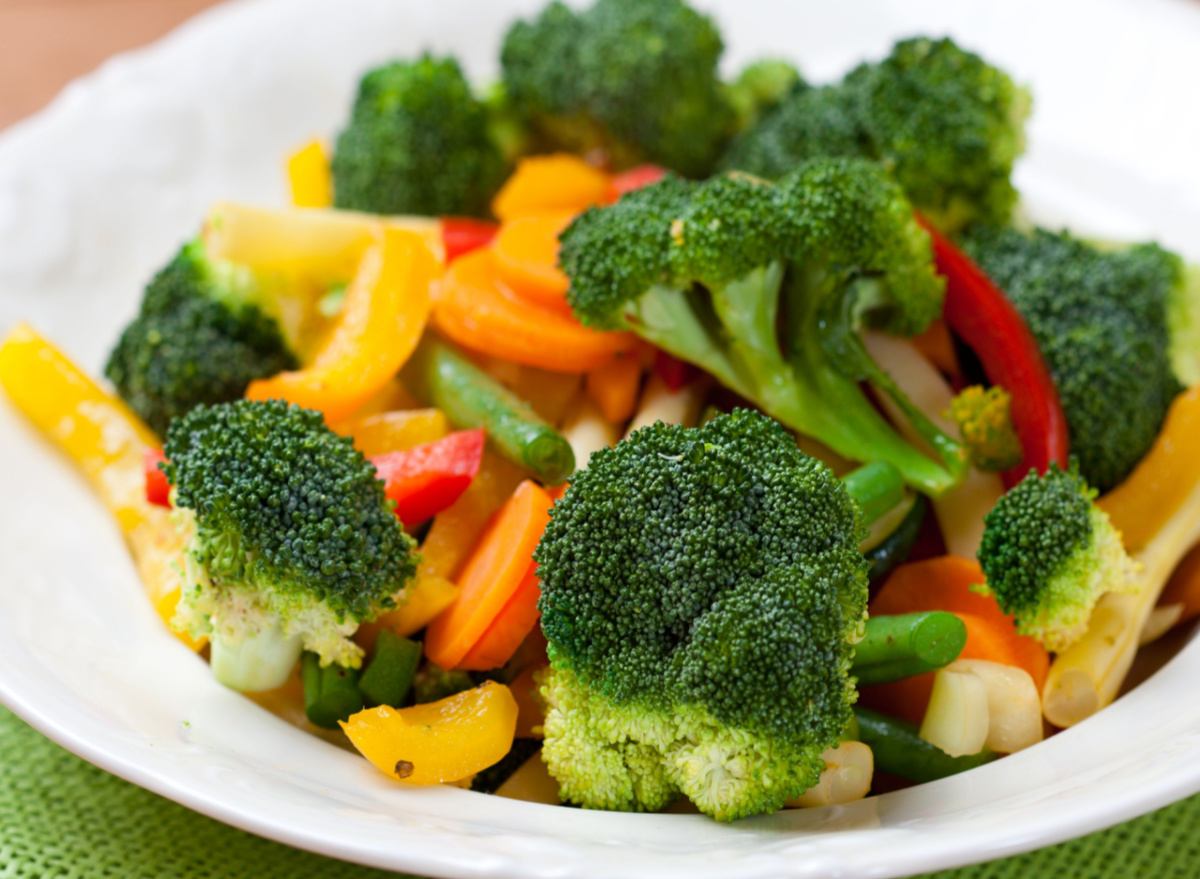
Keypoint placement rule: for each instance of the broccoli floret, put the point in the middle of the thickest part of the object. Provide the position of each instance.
(292, 541)
(761, 87)
(432, 682)
(947, 124)
(701, 591)
(417, 143)
(1100, 320)
(202, 334)
(1049, 553)
(637, 78)
(984, 418)
(764, 286)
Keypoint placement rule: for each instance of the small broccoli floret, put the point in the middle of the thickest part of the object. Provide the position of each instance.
(761, 87)
(947, 124)
(637, 78)
(701, 590)
(417, 143)
(1100, 320)
(202, 335)
(764, 286)
(292, 542)
(1049, 553)
(984, 418)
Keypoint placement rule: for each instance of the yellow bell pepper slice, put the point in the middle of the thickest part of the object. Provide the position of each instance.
(394, 431)
(107, 441)
(426, 597)
(308, 173)
(439, 742)
(1160, 483)
(320, 245)
(377, 329)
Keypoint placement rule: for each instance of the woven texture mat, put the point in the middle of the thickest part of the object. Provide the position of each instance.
(61, 818)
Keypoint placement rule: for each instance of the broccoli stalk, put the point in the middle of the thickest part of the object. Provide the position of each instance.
(701, 592)
(204, 331)
(765, 286)
(1049, 554)
(291, 542)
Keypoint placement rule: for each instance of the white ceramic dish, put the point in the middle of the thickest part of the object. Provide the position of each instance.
(97, 191)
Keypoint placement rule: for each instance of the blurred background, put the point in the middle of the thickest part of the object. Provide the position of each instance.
(44, 44)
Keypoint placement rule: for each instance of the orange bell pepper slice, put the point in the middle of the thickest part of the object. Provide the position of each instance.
(380, 324)
(480, 312)
(558, 182)
(526, 258)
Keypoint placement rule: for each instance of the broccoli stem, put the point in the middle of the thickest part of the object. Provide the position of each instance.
(330, 693)
(898, 750)
(876, 488)
(897, 647)
(442, 377)
(262, 661)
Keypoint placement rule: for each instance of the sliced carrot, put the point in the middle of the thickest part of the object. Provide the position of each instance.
(510, 627)
(492, 575)
(558, 182)
(1184, 586)
(614, 388)
(526, 254)
(478, 311)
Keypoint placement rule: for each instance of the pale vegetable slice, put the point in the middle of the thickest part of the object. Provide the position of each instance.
(660, 403)
(587, 430)
(849, 769)
(1161, 620)
(531, 783)
(960, 511)
(957, 719)
(1014, 709)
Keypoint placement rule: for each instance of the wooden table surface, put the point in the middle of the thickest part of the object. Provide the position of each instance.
(44, 44)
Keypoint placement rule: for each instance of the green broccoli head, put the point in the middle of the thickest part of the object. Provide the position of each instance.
(701, 590)
(417, 143)
(289, 528)
(637, 78)
(944, 122)
(201, 336)
(760, 87)
(984, 418)
(1049, 553)
(765, 286)
(1100, 320)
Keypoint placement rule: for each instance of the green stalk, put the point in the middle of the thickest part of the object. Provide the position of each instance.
(262, 661)
(876, 487)
(897, 647)
(898, 750)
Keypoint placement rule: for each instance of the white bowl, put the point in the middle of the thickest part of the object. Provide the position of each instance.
(96, 192)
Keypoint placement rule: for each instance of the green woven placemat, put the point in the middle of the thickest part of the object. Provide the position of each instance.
(62, 818)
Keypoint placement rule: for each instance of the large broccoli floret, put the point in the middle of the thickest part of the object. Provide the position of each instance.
(764, 286)
(292, 542)
(701, 591)
(1100, 320)
(201, 336)
(1049, 553)
(417, 143)
(947, 124)
(637, 78)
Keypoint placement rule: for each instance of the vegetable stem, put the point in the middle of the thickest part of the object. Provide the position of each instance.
(898, 750)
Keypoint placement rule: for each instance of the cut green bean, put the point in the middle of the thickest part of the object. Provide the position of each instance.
(896, 547)
(330, 693)
(877, 487)
(442, 377)
(898, 750)
(389, 677)
(897, 647)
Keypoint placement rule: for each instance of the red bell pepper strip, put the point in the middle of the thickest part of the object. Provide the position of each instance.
(158, 490)
(426, 479)
(674, 372)
(984, 318)
(636, 178)
(462, 235)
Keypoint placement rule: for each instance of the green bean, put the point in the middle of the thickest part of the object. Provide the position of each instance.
(877, 487)
(442, 377)
(330, 693)
(898, 750)
(897, 647)
(895, 548)
(389, 677)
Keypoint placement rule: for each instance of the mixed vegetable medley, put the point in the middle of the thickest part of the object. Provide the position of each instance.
(626, 437)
